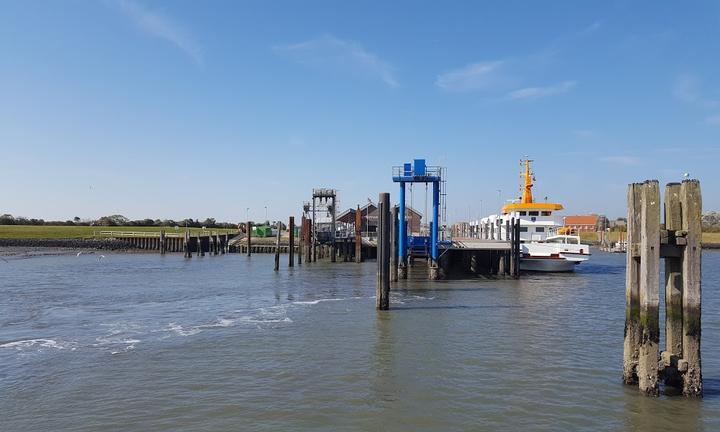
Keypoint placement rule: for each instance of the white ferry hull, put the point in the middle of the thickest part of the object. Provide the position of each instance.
(547, 264)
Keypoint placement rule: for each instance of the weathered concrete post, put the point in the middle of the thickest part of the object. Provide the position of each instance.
(382, 291)
(394, 252)
(291, 241)
(631, 347)
(162, 242)
(201, 250)
(691, 204)
(358, 236)
(248, 236)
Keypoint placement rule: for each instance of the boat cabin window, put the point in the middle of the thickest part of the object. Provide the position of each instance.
(523, 229)
(534, 213)
(546, 213)
(539, 229)
(523, 213)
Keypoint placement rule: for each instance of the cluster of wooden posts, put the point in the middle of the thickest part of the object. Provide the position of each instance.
(212, 243)
(678, 242)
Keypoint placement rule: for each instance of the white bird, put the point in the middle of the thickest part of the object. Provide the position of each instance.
(686, 175)
(101, 257)
(79, 253)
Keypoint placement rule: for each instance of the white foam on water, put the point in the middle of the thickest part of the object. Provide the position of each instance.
(250, 319)
(27, 344)
(180, 330)
(314, 302)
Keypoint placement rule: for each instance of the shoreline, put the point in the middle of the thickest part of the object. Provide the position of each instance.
(45, 247)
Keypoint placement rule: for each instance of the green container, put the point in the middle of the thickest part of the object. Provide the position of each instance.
(262, 231)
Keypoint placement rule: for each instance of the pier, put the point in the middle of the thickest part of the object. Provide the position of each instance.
(210, 242)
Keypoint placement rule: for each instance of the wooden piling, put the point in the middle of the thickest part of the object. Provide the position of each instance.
(248, 236)
(382, 291)
(631, 348)
(162, 242)
(291, 241)
(277, 246)
(673, 274)
(186, 245)
(690, 365)
(649, 288)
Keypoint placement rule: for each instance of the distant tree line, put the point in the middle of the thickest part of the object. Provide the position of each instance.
(117, 220)
(711, 222)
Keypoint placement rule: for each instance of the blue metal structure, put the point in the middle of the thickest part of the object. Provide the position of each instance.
(418, 172)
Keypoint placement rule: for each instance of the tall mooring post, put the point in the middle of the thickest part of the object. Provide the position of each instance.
(291, 241)
(162, 242)
(679, 244)
(382, 290)
(248, 236)
(277, 246)
(186, 245)
(358, 235)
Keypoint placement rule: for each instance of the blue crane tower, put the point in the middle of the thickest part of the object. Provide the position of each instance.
(418, 172)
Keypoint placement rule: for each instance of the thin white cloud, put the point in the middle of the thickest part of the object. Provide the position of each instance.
(528, 93)
(713, 120)
(510, 76)
(332, 54)
(592, 28)
(483, 76)
(687, 88)
(621, 160)
(163, 27)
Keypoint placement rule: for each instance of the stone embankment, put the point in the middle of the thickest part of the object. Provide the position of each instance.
(76, 243)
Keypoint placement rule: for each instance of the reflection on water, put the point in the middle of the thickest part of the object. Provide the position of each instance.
(143, 342)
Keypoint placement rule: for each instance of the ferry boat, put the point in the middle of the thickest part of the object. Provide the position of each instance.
(546, 245)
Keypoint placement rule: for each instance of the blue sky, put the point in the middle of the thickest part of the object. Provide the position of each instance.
(205, 109)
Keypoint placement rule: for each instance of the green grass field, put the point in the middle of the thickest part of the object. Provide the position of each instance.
(52, 232)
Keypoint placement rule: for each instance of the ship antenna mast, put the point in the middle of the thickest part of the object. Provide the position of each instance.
(527, 197)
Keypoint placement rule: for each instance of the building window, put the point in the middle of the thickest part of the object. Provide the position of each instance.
(523, 229)
(523, 213)
(539, 229)
(546, 213)
(534, 213)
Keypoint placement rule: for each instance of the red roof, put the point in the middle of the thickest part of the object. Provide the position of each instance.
(581, 220)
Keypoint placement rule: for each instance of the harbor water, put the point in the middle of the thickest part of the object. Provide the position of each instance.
(141, 342)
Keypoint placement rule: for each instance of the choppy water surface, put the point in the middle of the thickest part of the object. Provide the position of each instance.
(144, 342)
